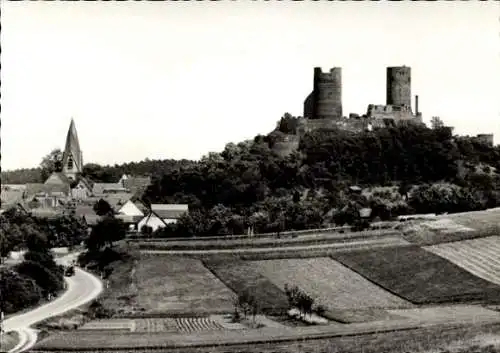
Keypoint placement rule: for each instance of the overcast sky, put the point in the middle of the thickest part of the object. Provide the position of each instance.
(176, 80)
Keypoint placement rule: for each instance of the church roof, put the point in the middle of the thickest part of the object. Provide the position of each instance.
(72, 147)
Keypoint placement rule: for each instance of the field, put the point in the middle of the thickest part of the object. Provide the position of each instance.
(291, 251)
(317, 238)
(480, 257)
(418, 275)
(167, 284)
(454, 227)
(331, 283)
(242, 276)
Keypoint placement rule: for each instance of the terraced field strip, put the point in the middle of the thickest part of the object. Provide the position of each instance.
(242, 277)
(175, 284)
(419, 275)
(189, 324)
(480, 257)
(333, 284)
(88, 342)
(385, 241)
(312, 239)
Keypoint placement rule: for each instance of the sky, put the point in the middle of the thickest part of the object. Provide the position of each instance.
(163, 80)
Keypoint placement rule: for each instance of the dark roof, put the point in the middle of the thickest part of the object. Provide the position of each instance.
(169, 211)
(72, 148)
(86, 182)
(141, 206)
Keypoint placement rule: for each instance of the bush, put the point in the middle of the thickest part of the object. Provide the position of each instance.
(23, 291)
(48, 281)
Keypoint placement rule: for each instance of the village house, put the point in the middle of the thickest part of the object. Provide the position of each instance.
(160, 215)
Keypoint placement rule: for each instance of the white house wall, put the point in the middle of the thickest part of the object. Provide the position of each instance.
(153, 221)
(130, 209)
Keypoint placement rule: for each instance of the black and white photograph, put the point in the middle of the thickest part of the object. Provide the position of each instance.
(250, 176)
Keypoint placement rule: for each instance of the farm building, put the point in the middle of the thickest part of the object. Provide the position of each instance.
(162, 214)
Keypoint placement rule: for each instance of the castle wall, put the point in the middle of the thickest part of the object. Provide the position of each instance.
(327, 94)
(399, 86)
(389, 112)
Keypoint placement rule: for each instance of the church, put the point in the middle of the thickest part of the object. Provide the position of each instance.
(68, 192)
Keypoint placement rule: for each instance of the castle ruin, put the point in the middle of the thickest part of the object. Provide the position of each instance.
(324, 103)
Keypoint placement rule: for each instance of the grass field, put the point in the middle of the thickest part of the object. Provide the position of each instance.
(454, 227)
(418, 275)
(242, 276)
(480, 257)
(165, 285)
(331, 283)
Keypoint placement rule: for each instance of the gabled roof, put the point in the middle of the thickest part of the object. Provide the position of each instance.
(87, 182)
(140, 205)
(116, 201)
(169, 211)
(72, 148)
(57, 178)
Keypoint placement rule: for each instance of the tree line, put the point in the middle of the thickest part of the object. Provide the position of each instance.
(249, 185)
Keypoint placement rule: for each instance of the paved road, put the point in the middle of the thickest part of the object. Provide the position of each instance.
(81, 288)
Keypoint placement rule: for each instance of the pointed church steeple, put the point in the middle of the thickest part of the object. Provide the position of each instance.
(72, 156)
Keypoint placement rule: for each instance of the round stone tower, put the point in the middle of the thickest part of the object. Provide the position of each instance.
(327, 94)
(399, 86)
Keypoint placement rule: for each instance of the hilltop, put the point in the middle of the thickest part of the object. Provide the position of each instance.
(400, 169)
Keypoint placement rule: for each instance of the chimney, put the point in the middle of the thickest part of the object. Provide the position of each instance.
(416, 105)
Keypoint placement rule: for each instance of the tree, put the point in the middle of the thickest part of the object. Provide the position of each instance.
(105, 233)
(36, 241)
(52, 163)
(48, 281)
(436, 122)
(103, 208)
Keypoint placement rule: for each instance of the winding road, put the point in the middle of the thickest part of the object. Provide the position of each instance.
(81, 288)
